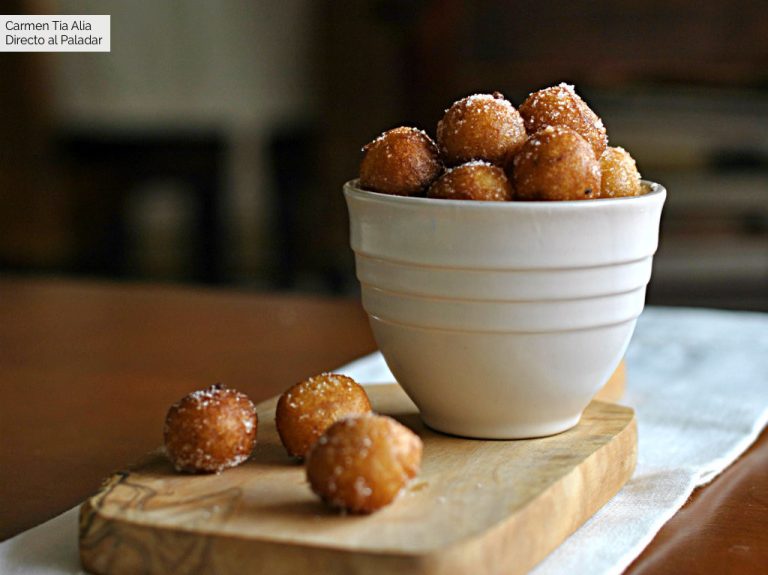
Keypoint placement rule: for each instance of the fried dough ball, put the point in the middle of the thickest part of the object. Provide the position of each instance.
(620, 175)
(310, 407)
(210, 430)
(561, 106)
(480, 127)
(402, 161)
(362, 463)
(475, 180)
(556, 163)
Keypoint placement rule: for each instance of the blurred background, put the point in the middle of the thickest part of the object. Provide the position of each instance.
(211, 144)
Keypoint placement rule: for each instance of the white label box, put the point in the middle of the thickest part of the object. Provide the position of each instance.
(55, 33)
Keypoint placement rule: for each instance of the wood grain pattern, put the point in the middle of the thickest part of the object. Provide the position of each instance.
(477, 506)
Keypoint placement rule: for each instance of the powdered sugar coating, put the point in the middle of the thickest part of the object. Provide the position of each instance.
(480, 127)
(556, 163)
(210, 430)
(362, 463)
(475, 180)
(402, 161)
(310, 407)
(620, 177)
(561, 106)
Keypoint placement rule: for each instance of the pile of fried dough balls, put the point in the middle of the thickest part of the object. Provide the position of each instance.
(553, 147)
(355, 460)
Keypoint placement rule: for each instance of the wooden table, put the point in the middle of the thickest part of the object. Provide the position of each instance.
(87, 371)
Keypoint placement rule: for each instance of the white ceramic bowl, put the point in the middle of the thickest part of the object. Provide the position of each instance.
(502, 320)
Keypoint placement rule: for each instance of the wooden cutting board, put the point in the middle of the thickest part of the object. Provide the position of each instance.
(477, 506)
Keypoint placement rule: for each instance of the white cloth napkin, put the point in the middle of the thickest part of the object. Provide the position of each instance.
(698, 380)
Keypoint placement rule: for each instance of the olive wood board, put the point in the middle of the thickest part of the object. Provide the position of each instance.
(477, 506)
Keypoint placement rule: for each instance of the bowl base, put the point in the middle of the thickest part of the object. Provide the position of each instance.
(501, 430)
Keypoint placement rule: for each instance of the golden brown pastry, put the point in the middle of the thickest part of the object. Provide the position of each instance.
(620, 175)
(556, 163)
(561, 106)
(210, 430)
(402, 161)
(476, 180)
(480, 127)
(362, 463)
(310, 407)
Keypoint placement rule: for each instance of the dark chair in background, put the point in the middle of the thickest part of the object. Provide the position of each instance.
(112, 165)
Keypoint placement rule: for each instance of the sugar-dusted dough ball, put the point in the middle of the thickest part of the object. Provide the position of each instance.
(310, 407)
(561, 106)
(362, 463)
(210, 430)
(556, 163)
(480, 127)
(620, 175)
(476, 180)
(402, 161)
